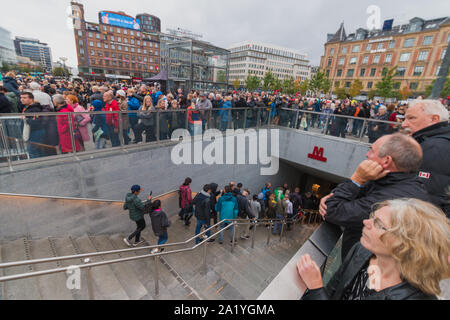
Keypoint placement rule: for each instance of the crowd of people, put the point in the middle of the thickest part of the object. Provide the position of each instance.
(49, 135)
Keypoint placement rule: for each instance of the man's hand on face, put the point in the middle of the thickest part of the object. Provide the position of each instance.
(368, 171)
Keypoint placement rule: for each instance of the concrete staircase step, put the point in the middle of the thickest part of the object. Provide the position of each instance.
(123, 271)
(107, 286)
(54, 286)
(65, 247)
(23, 289)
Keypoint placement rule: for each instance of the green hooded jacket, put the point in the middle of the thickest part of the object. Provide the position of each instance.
(135, 206)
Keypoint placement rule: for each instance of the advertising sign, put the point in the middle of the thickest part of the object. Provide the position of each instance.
(120, 21)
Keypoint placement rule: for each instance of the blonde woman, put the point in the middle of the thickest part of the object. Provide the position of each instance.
(147, 121)
(403, 255)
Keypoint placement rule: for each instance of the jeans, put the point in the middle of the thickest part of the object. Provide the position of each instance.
(224, 225)
(198, 228)
(277, 225)
(101, 143)
(126, 138)
(34, 151)
(163, 238)
(113, 136)
(223, 125)
(140, 226)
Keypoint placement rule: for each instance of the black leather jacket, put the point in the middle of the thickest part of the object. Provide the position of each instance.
(357, 258)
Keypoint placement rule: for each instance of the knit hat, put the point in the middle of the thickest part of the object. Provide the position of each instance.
(97, 104)
(135, 188)
(121, 93)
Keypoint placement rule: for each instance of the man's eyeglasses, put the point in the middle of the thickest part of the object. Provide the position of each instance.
(377, 222)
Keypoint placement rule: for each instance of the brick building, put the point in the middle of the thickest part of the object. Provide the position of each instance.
(117, 48)
(417, 49)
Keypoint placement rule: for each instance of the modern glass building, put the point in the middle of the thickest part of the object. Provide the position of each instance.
(149, 23)
(7, 52)
(197, 65)
(35, 50)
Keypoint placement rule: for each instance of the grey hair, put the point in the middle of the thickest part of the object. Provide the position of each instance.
(35, 86)
(432, 107)
(404, 151)
(59, 99)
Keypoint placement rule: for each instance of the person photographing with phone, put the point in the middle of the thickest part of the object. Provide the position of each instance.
(136, 208)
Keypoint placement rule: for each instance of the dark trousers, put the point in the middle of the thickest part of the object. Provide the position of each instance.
(140, 227)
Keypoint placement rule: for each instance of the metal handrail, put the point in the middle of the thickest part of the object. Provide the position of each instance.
(89, 265)
(95, 254)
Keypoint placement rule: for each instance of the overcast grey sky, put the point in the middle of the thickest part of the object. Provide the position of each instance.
(297, 24)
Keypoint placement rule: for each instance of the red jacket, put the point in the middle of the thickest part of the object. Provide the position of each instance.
(64, 131)
(186, 196)
(112, 119)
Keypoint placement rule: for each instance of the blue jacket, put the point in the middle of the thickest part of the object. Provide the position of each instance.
(155, 97)
(223, 112)
(133, 105)
(273, 108)
(317, 107)
(227, 207)
(99, 120)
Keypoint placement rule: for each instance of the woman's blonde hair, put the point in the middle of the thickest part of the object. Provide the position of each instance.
(144, 106)
(11, 74)
(421, 242)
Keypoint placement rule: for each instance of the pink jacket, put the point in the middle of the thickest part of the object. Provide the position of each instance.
(64, 131)
(186, 196)
(83, 125)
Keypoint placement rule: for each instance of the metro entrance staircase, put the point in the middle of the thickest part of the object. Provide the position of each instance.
(238, 275)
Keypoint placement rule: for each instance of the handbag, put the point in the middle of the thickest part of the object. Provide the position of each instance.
(304, 123)
(26, 132)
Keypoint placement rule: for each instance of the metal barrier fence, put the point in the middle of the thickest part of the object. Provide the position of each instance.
(88, 265)
(35, 137)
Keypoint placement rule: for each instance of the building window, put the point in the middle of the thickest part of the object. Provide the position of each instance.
(113, 47)
(111, 29)
(82, 52)
(392, 44)
(126, 49)
(363, 72)
(418, 71)
(341, 61)
(413, 85)
(132, 41)
(365, 60)
(125, 40)
(339, 73)
(427, 40)
(408, 43)
(329, 62)
(112, 38)
(125, 31)
(328, 73)
(119, 48)
(92, 53)
(380, 46)
(99, 45)
(373, 71)
(369, 85)
(396, 85)
(131, 33)
(106, 46)
(80, 33)
(404, 57)
(104, 28)
(350, 72)
(353, 60)
(93, 61)
(118, 30)
(344, 50)
(132, 49)
(150, 44)
(401, 71)
(369, 47)
(119, 39)
(423, 55)
(138, 42)
(331, 51)
(347, 84)
(356, 48)
(90, 35)
(376, 59)
(156, 45)
(448, 38)
(97, 35)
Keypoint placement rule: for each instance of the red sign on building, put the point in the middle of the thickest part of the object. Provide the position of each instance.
(317, 155)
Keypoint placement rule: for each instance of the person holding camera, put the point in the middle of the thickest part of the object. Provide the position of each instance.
(136, 208)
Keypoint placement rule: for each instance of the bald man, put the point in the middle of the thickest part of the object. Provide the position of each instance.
(389, 173)
(427, 122)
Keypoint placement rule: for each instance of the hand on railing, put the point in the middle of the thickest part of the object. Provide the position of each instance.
(310, 273)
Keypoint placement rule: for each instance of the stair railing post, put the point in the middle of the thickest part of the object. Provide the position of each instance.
(156, 276)
(204, 254)
(282, 228)
(234, 236)
(253, 235)
(89, 281)
(270, 232)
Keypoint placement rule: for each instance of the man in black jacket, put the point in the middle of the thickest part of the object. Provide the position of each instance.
(5, 105)
(245, 212)
(427, 121)
(203, 211)
(389, 173)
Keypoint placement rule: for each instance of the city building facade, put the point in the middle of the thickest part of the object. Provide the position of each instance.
(35, 50)
(117, 48)
(417, 49)
(256, 59)
(7, 51)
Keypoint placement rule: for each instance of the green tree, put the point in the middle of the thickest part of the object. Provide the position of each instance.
(5, 66)
(268, 80)
(277, 84)
(304, 87)
(386, 85)
(252, 83)
(288, 85)
(372, 93)
(355, 88)
(60, 72)
(317, 81)
(236, 83)
(341, 93)
(405, 92)
(326, 85)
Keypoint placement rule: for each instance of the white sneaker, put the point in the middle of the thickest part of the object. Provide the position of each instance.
(155, 250)
(127, 242)
(139, 243)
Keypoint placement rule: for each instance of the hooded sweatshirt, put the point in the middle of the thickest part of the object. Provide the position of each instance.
(160, 222)
(227, 207)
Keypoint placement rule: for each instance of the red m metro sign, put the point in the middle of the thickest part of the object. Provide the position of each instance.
(317, 155)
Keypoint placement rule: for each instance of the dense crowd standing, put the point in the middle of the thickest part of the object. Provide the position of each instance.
(46, 135)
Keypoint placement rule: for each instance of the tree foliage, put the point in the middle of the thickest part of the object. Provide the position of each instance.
(268, 80)
(252, 83)
(355, 88)
(385, 86)
(236, 83)
(405, 93)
